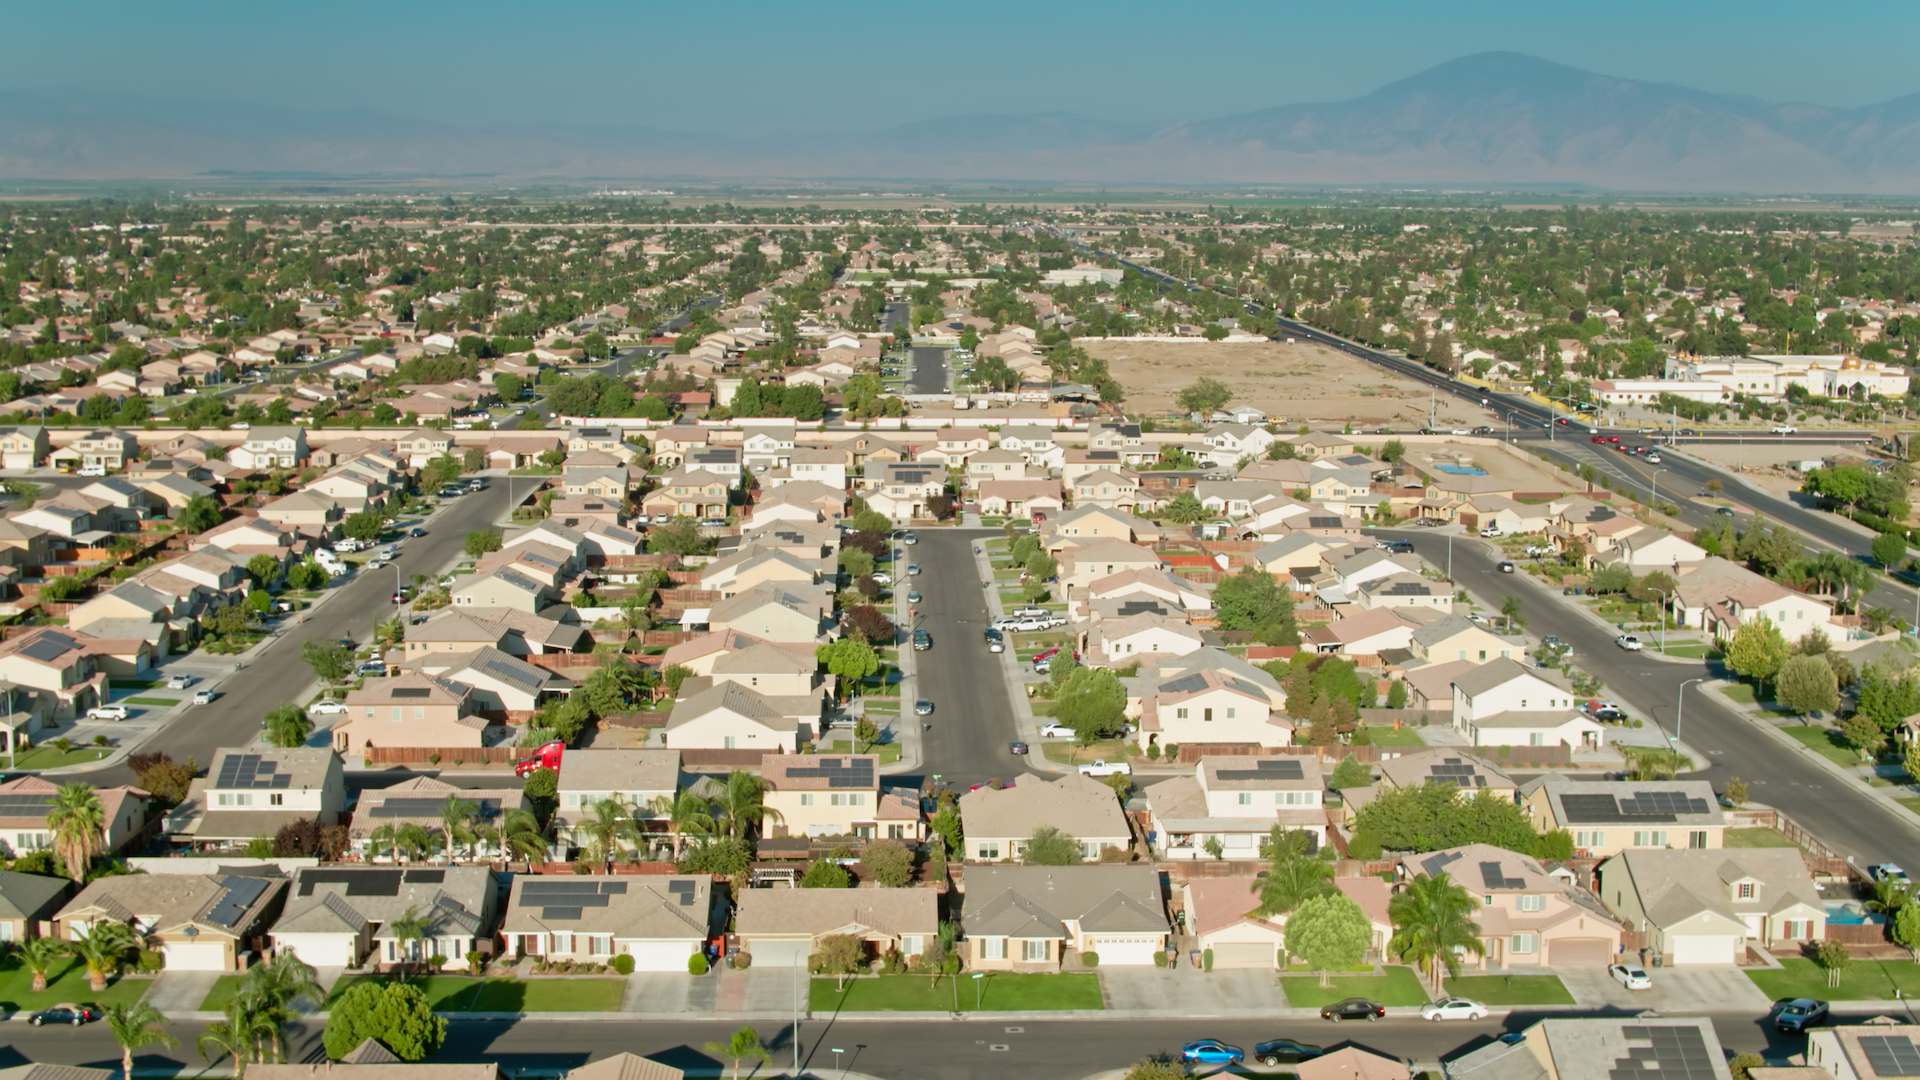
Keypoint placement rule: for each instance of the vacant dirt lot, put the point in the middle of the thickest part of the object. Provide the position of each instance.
(1304, 383)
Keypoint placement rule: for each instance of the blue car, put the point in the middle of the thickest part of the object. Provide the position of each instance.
(1210, 1052)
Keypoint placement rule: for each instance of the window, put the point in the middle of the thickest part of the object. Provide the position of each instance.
(1746, 890)
(1524, 943)
(1536, 739)
(1486, 901)
(563, 941)
(1650, 838)
(276, 799)
(1246, 798)
(1797, 929)
(988, 850)
(1589, 838)
(896, 832)
(1229, 714)
(396, 714)
(600, 944)
(806, 799)
(726, 743)
(1532, 902)
(993, 948)
(419, 712)
(1179, 714)
(1033, 950)
(1206, 715)
(1697, 838)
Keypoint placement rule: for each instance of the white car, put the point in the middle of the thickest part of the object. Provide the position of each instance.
(1631, 976)
(1056, 730)
(1453, 1008)
(1103, 768)
(204, 697)
(1628, 642)
(1782, 429)
(327, 707)
(883, 578)
(107, 712)
(180, 682)
(1491, 532)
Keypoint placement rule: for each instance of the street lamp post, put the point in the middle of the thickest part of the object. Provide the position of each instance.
(1680, 711)
(1653, 490)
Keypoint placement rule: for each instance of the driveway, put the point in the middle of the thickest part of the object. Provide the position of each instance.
(1188, 991)
(1695, 988)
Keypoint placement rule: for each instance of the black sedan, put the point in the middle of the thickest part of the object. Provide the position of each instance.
(1017, 748)
(66, 1014)
(1353, 1009)
(1284, 1052)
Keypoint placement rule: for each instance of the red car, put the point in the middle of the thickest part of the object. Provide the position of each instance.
(1624, 449)
(1598, 438)
(1562, 420)
(1613, 438)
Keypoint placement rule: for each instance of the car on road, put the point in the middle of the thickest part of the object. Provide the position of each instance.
(1017, 748)
(1886, 871)
(451, 491)
(1210, 1052)
(1598, 439)
(1723, 511)
(66, 1014)
(204, 697)
(1631, 976)
(914, 597)
(181, 682)
(416, 533)
(108, 712)
(1398, 547)
(1103, 768)
(922, 641)
(909, 539)
(996, 642)
(1782, 429)
(1353, 1009)
(923, 707)
(1453, 1008)
(1798, 1014)
(1506, 566)
(1285, 1052)
(1056, 730)
(913, 571)
(1629, 642)
(1654, 459)
(327, 707)
(1688, 431)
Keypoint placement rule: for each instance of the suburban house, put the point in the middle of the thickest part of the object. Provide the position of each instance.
(1526, 915)
(1223, 914)
(774, 611)
(1088, 563)
(836, 795)
(729, 716)
(25, 800)
(62, 664)
(782, 927)
(26, 901)
(1000, 821)
(1210, 706)
(1119, 641)
(256, 792)
(660, 921)
(1470, 773)
(1864, 1052)
(1709, 906)
(267, 448)
(1503, 703)
(1607, 817)
(1030, 918)
(382, 815)
(23, 447)
(202, 922)
(409, 710)
(1613, 1048)
(638, 780)
(1233, 803)
(1456, 637)
(342, 916)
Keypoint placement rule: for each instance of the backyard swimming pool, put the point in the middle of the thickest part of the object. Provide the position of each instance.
(1460, 470)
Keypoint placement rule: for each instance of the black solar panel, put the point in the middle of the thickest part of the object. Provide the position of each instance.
(24, 805)
(838, 772)
(1891, 1055)
(250, 771)
(556, 913)
(368, 881)
(1647, 807)
(48, 648)
(1186, 684)
(1267, 769)
(1663, 802)
(429, 808)
(411, 691)
(1492, 878)
(1458, 773)
(1677, 1053)
(539, 890)
(239, 895)
(682, 891)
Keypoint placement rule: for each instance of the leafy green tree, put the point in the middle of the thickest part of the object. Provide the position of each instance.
(1433, 816)
(1889, 692)
(1204, 395)
(481, 541)
(287, 725)
(839, 955)
(1906, 929)
(1890, 550)
(889, 861)
(331, 661)
(1807, 685)
(1252, 600)
(264, 569)
(1048, 846)
(364, 526)
(198, 515)
(1293, 876)
(825, 874)
(1865, 735)
(398, 1016)
(1834, 958)
(541, 783)
(1351, 772)
(1757, 651)
(677, 537)
(1092, 702)
(1330, 932)
(1432, 924)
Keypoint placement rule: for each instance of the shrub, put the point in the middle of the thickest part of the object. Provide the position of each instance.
(152, 960)
(623, 964)
(1090, 959)
(743, 960)
(1153, 751)
(697, 964)
(433, 759)
(1206, 960)
(1159, 958)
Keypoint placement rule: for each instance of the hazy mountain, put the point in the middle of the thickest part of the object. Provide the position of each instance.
(1485, 120)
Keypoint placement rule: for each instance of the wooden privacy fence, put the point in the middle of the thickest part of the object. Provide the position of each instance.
(424, 755)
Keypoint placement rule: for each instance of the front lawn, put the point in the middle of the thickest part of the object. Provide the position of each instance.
(1754, 838)
(1826, 742)
(999, 992)
(1392, 736)
(66, 982)
(1740, 692)
(157, 702)
(461, 993)
(49, 757)
(1511, 989)
(889, 752)
(1398, 986)
(1067, 752)
(1866, 980)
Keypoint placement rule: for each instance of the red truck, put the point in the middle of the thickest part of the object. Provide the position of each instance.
(546, 757)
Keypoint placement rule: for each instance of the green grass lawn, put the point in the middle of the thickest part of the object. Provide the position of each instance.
(998, 993)
(1692, 652)
(47, 757)
(67, 982)
(223, 990)
(461, 993)
(1511, 989)
(1041, 707)
(161, 702)
(1068, 753)
(1740, 692)
(1389, 736)
(889, 752)
(1826, 742)
(1399, 986)
(1866, 980)
(1754, 838)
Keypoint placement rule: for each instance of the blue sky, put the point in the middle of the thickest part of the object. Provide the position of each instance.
(754, 65)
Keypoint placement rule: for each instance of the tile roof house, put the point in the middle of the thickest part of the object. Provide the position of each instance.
(25, 800)
(999, 821)
(1026, 918)
(782, 927)
(1526, 914)
(1640, 1047)
(342, 916)
(409, 710)
(1238, 801)
(1709, 906)
(729, 716)
(660, 921)
(419, 801)
(1875, 1050)
(255, 792)
(1210, 706)
(1607, 817)
(1503, 703)
(640, 780)
(202, 922)
(1223, 914)
(837, 795)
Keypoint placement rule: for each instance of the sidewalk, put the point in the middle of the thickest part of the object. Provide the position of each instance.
(1855, 778)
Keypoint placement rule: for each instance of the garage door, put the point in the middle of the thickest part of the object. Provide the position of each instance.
(1243, 954)
(778, 953)
(1571, 951)
(1128, 950)
(1701, 949)
(320, 950)
(200, 956)
(662, 955)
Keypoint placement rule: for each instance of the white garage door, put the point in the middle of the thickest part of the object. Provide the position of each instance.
(661, 955)
(1702, 949)
(200, 956)
(1243, 954)
(1129, 950)
(779, 953)
(320, 950)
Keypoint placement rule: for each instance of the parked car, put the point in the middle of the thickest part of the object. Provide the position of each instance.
(1453, 1008)
(1398, 547)
(327, 707)
(1631, 976)
(883, 578)
(204, 697)
(1210, 1052)
(1798, 1014)
(181, 682)
(416, 534)
(914, 597)
(1782, 429)
(108, 712)
(1285, 1052)
(1887, 870)
(923, 707)
(922, 641)
(1056, 730)
(1506, 566)
(1628, 642)
(1017, 748)
(1539, 551)
(1102, 768)
(909, 539)
(1491, 532)
(371, 667)
(913, 571)
(66, 1014)
(1353, 1009)
(451, 491)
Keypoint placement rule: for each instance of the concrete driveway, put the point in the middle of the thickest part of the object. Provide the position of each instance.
(1694, 988)
(1187, 991)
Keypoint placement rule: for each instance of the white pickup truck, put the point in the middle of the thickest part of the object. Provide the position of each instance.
(1102, 768)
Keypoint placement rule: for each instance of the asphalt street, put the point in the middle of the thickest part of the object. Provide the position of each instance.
(918, 1047)
(929, 372)
(1777, 775)
(896, 316)
(971, 725)
(278, 674)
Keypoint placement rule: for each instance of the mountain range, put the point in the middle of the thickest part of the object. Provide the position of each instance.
(1488, 120)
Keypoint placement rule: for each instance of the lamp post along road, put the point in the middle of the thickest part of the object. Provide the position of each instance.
(1680, 712)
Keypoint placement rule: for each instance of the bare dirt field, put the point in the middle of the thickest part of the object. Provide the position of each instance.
(1304, 383)
(1770, 464)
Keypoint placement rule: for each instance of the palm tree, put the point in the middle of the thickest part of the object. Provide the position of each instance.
(134, 1027)
(79, 824)
(740, 804)
(456, 821)
(107, 944)
(1430, 926)
(273, 988)
(688, 814)
(742, 1045)
(519, 834)
(37, 956)
(383, 837)
(412, 841)
(1889, 895)
(238, 1036)
(609, 822)
(409, 928)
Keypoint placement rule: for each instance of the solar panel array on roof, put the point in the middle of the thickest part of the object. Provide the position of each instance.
(1677, 1053)
(237, 896)
(1185, 684)
(412, 691)
(1891, 1055)
(838, 772)
(1492, 878)
(681, 891)
(1142, 607)
(369, 881)
(507, 672)
(24, 805)
(47, 648)
(1652, 807)
(1663, 802)
(429, 808)
(1267, 769)
(564, 899)
(1457, 772)
(251, 771)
